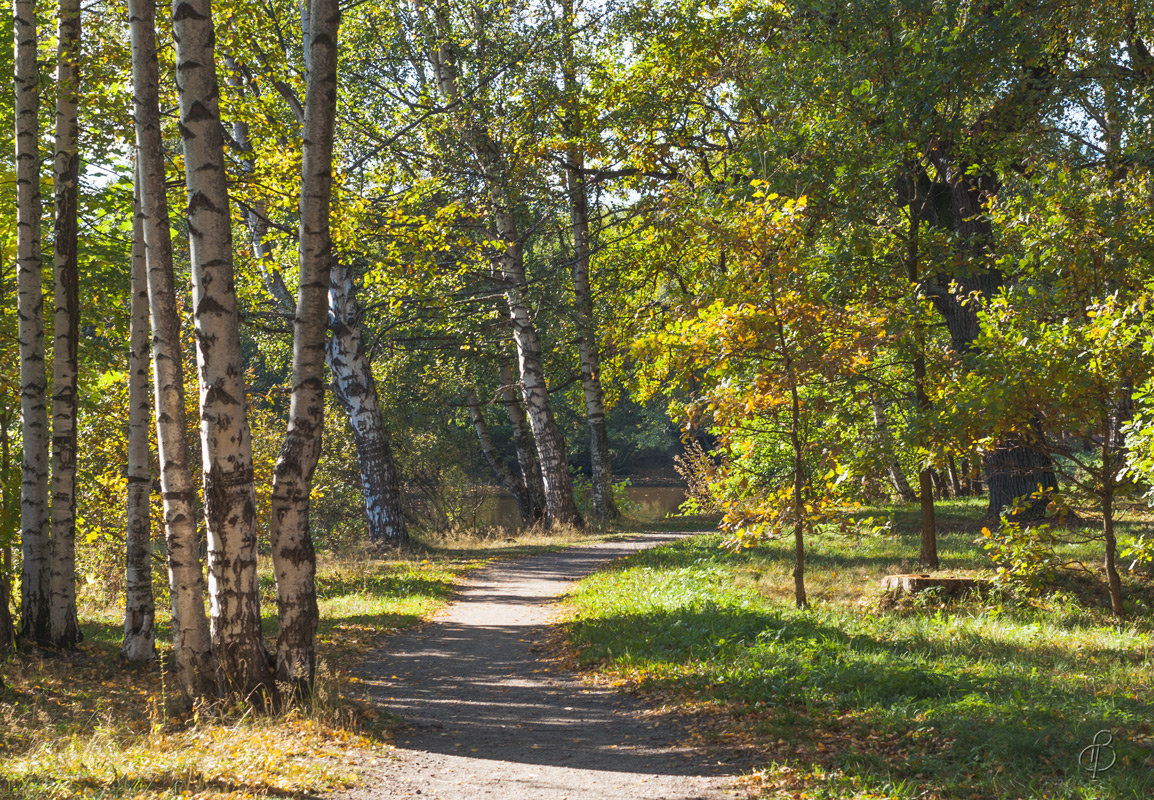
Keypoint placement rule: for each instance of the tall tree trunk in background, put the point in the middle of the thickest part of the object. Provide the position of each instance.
(500, 469)
(34, 497)
(601, 461)
(523, 443)
(191, 641)
(243, 668)
(66, 329)
(897, 476)
(356, 390)
(294, 559)
(7, 630)
(139, 607)
(928, 555)
(509, 264)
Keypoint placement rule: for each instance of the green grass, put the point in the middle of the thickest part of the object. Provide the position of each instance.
(85, 726)
(987, 698)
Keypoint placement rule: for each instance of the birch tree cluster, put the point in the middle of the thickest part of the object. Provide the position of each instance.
(334, 259)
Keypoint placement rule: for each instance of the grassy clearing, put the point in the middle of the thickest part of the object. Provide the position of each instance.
(85, 726)
(989, 698)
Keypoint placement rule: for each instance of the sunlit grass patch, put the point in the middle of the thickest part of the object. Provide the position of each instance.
(86, 726)
(976, 699)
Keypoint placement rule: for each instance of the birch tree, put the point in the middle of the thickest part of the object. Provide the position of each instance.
(600, 458)
(34, 497)
(508, 259)
(356, 390)
(294, 559)
(64, 627)
(139, 608)
(190, 635)
(226, 446)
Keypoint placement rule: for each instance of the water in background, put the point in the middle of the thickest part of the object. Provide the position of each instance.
(647, 503)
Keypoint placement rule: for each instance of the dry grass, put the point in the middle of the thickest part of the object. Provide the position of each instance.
(86, 726)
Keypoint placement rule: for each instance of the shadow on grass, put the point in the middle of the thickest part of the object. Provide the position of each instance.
(875, 707)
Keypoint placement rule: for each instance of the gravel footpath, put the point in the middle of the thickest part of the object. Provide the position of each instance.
(487, 717)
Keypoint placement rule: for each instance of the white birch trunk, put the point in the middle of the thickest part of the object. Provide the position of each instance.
(243, 669)
(523, 443)
(139, 608)
(601, 464)
(66, 330)
(500, 469)
(191, 641)
(294, 559)
(356, 389)
(34, 497)
(509, 263)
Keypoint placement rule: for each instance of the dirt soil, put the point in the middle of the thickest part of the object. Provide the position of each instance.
(487, 716)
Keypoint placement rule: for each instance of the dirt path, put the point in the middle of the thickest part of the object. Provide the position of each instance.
(488, 718)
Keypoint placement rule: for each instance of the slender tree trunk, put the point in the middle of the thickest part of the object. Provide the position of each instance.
(139, 608)
(353, 381)
(1113, 581)
(799, 594)
(604, 507)
(7, 630)
(243, 668)
(500, 469)
(523, 443)
(294, 558)
(34, 496)
(356, 390)
(509, 263)
(192, 644)
(66, 330)
(956, 489)
(928, 557)
(897, 476)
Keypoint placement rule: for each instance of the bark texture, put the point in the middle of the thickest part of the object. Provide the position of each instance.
(509, 267)
(243, 669)
(601, 463)
(523, 443)
(500, 469)
(66, 329)
(294, 559)
(139, 609)
(34, 496)
(192, 644)
(356, 390)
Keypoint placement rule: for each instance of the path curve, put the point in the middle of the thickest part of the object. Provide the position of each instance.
(489, 718)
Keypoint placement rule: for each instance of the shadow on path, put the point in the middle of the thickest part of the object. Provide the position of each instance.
(487, 717)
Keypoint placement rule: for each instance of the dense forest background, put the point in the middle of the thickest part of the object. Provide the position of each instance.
(824, 254)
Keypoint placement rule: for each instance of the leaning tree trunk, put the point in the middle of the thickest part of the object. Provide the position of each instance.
(139, 608)
(523, 443)
(243, 670)
(294, 559)
(66, 330)
(600, 459)
(509, 263)
(356, 390)
(500, 469)
(34, 497)
(191, 641)
(897, 476)
(353, 381)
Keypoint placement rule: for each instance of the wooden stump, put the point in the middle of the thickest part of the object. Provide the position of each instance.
(947, 587)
